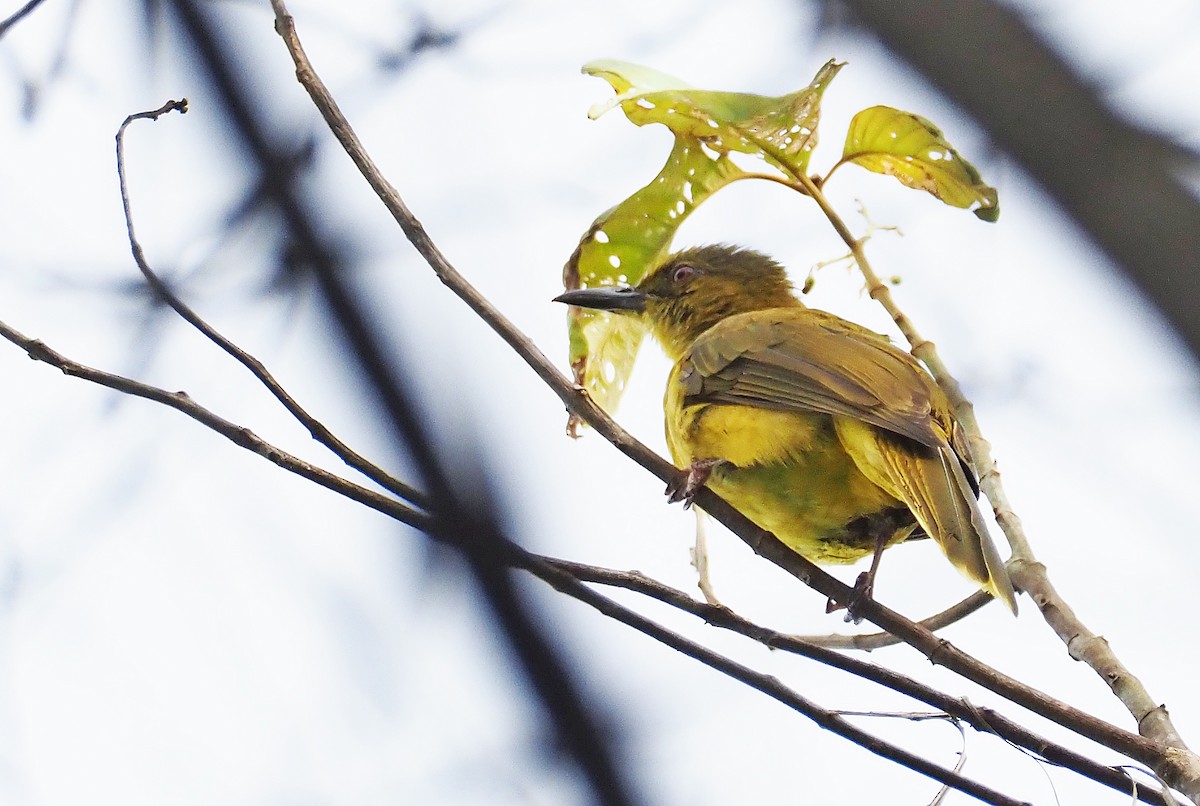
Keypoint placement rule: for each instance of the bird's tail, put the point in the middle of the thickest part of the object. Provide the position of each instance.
(961, 530)
(932, 483)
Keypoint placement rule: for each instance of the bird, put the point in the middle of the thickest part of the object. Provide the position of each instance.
(819, 430)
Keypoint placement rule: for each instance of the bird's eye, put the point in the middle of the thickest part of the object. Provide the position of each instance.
(682, 273)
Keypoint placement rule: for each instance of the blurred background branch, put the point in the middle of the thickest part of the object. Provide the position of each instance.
(1121, 182)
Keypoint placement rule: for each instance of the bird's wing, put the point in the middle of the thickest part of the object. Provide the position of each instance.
(803, 360)
(882, 402)
(936, 487)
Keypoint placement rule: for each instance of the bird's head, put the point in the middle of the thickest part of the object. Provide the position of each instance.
(694, 289)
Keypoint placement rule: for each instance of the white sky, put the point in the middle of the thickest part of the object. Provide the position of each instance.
(182, 623)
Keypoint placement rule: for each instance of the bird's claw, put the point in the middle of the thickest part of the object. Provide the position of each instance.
(864, 590)
(687, 482)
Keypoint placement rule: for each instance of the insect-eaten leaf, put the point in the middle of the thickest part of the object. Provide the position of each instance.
(618, 249)
(782, 130)
(625, 242)
(910, 148)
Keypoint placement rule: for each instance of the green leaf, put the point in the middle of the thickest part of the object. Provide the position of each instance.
(625, 242)
(619, 248)
(781, 130)
(910, 148)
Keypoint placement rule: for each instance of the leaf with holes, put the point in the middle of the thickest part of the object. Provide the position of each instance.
(623, 243)
(782, 130)
(910, 148)
(619, 247)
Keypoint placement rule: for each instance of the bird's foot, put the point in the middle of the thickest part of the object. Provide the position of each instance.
(688, 482)
(864, 589)
(864, 592)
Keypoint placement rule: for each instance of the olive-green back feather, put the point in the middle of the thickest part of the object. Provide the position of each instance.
(741, 338)
(796, 358)
(890, 416)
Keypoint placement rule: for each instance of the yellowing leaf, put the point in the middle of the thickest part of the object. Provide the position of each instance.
(781, 130)
(604, 347)
(910, 148)
(623, 243)
(630, 81)
(619, 247)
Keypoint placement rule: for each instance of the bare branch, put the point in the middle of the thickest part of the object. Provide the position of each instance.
(463, 506)
(983, 719)
(567, 576)
(555, 572)
(18, 15)
(1165, 761)
(315, 427)
(770, 686)
(1061, 124)
(239, 435)
(1027, 573)
(878, 640)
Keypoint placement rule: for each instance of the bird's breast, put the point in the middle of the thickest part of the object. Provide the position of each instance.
(791, 474)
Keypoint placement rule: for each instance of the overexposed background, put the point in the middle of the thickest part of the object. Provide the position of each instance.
(181, 622)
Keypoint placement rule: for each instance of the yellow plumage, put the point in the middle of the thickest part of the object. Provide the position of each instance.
(817, 429)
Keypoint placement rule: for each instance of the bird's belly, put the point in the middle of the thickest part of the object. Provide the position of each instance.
(792, 477)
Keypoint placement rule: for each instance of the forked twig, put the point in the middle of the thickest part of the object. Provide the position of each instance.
(239, 435)
(18, 15)
(552, 571)
(315, 427)
(983, 719)
(878, 640)
(1027, 573)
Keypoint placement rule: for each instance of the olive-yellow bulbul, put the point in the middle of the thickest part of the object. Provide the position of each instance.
(817, 429)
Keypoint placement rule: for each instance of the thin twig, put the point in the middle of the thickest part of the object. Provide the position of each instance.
(1027, 573)
(566, 576)
(939, 651)
(239, 435)
(983, 719)
(259, 370)
(462, 504)
(878, 640)
(18, 15)
(555, 572)
(962, 762)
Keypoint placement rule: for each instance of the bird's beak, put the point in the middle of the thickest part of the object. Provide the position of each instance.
(608, 298)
